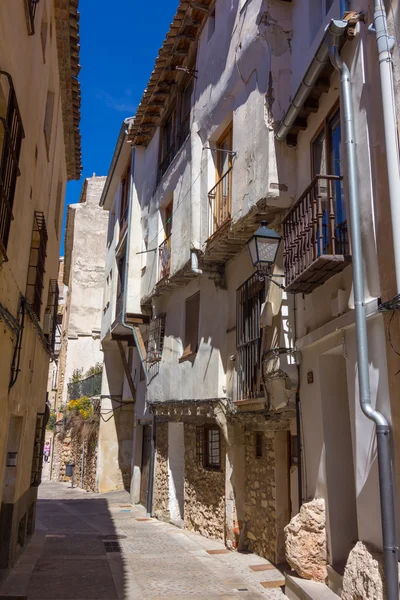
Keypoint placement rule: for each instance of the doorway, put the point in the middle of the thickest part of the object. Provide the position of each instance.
(145, 469)
(176, 470)
(340, 479)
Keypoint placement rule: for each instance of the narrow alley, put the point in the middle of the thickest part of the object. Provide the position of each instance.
(100, 546)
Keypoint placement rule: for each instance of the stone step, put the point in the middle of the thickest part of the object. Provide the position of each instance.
(302, 589)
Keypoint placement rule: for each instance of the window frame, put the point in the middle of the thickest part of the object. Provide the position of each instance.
(37, 263)
(157, 336)
(203, 450)
(188, 351)
(124, 200)
(9, 162)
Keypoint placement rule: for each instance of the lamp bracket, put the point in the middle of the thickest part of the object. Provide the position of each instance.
(264, 274)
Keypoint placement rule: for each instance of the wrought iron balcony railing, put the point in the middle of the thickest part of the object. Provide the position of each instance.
(31, 11)
(164, 251)
(220, 202)
(316, 239)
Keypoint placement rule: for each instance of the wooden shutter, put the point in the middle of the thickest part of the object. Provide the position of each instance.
(192, 324)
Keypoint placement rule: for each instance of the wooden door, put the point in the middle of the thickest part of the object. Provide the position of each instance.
(145, 471)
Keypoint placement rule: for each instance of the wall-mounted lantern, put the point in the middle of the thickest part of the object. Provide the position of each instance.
(263, 248)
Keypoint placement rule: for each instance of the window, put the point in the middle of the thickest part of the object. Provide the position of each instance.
(326, 157)
(120, 286)
(111, 226)
(48, 120)
(186, 104)
(208, 447)
(43, 33)
(30, 8)
(155, 343)
(211, 24)
(124, 203)
(191, 341)
(37, 458)
(37, 258)
(11, 136)
(259, 444)
(50, 318)
(249, 298)
(54, 377)
(220, 197)
(167, 150)
(57, 213)
(164, 249)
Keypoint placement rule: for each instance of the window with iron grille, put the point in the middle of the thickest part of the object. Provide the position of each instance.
(11, 136)
(249, 298)
(208, 447)
(30, 7)
(155, 343)
(37, 259)
(38, 445)
(50, 318)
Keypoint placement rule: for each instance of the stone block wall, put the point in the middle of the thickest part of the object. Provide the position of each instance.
(68, 448)
(204, 491)
(161, 483)
(260, 494)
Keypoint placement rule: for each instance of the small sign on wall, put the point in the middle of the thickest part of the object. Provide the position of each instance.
(310, 377)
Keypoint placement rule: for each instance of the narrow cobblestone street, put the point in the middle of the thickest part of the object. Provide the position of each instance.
(100, 546)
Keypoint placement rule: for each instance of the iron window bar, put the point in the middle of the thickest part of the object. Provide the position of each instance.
(37, 258)
(13, 134)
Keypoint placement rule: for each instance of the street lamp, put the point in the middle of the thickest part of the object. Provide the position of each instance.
(263, 249)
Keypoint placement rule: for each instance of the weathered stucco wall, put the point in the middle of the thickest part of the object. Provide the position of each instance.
(204, 490)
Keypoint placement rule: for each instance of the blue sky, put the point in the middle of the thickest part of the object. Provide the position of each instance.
(119, 44)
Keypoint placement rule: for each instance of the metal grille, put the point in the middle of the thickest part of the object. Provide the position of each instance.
(220, 201)
(249, 298)
(35, 283)
(50, 328)
(208, 447)
(37, 459)
(90, 386)
(165, 258)
(11, 138)
(155, 343)
(31, 11)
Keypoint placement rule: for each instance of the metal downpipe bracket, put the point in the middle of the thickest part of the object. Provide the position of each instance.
(382, 426)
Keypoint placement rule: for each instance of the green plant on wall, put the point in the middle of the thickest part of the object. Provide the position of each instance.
(96, 370)
(76, 376)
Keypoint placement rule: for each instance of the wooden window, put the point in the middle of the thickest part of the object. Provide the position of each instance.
(167, 145)
(208, 447)
(37, 259)
(326, 159)
(155, 343)
(259, 444)
(191, 325)
(50, 319)
(249, 298)
(11, 136)
(186, 105)
(220, 196)
(48, 121)
(121, 263)
(124, 203)
(164, 249)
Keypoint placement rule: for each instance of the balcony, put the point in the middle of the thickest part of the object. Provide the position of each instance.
(220, 202)
(317, 244)
(164, 251)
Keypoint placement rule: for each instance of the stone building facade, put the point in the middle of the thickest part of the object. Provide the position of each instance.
(40, 152)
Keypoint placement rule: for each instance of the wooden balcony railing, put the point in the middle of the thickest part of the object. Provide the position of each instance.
(220, 202)
(316, 239)
(164, 251)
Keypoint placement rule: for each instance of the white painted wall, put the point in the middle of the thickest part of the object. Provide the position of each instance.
(176, 469)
